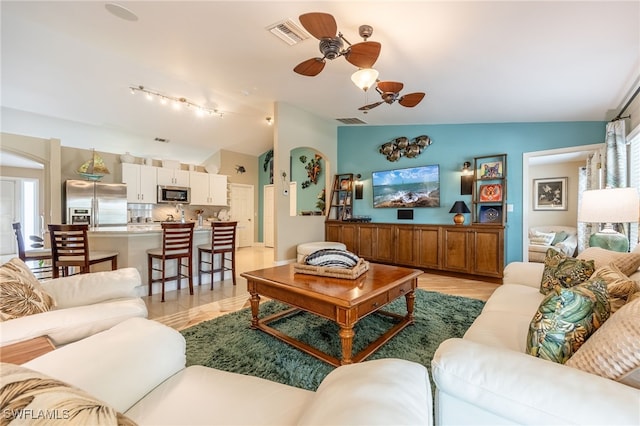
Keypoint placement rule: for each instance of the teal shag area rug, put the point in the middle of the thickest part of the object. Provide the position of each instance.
(228, 343)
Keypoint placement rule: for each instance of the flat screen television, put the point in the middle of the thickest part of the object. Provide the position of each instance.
(410, 187)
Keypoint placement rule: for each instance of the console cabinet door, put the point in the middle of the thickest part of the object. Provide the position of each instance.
(488, 250)
(350, 237)
(375, 243)
(405, 245)
(428, 247)
(333, 232)
(456, 250)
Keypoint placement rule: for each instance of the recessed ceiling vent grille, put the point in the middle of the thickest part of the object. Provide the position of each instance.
(288, 31)
(163, 140)
(351, 121)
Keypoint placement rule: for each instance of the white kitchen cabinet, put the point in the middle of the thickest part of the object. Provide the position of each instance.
(208, 189)
(142, 183)
(172, 177)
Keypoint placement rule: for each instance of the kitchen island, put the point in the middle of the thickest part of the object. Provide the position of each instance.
(132, 242)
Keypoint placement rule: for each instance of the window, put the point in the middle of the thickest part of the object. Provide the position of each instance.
(633, 159)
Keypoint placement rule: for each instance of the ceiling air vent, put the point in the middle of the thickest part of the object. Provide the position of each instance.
(350, 121)
(288, 31)
(163, 140)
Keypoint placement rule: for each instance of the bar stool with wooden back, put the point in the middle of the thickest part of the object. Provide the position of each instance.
(223, 242)
(70, 248)
(177, 243)
(39, 254)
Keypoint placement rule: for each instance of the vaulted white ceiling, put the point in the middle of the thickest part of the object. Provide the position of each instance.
(478, 62)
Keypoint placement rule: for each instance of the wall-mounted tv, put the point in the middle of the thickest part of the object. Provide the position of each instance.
(410, 187)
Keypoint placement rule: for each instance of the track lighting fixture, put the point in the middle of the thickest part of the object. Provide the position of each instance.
(178, 103)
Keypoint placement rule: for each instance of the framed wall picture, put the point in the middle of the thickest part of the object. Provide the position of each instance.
(550, 194)
(490, 214)
(490, 193)
(492, 170)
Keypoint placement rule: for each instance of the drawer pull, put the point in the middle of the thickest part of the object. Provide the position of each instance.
(376, 304)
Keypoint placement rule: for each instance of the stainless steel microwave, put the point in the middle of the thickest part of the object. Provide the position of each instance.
(174, 194)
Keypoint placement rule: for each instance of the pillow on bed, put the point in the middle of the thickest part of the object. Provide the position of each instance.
(332, 258)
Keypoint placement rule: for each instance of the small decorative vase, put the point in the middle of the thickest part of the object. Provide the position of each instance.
(127, 158)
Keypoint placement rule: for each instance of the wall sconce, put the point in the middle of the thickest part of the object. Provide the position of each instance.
(466, 180)
(269, 121)
(358, 187)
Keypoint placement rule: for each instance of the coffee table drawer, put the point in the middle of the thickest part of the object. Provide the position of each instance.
(400, 291)
(372, 304)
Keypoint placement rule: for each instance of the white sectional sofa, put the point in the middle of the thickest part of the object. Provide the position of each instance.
(487, 377)
(138, 368)
(84, 305)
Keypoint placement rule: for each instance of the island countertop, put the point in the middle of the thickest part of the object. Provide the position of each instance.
(133, 229)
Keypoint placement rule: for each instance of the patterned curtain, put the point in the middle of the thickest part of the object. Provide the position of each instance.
(615, 171)
(589, 177)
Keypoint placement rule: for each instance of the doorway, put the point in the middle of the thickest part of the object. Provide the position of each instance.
(531, 159)
(241, 207)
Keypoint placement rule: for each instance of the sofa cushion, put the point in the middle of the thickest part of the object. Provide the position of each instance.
(20, 292)
(200, 395)
(614, 350)
(68, 325)
(542, 238)
(628, 263)
(619, 286)
(29, 395)
(332, 258)
(381, 392)
(560, 270)
(566, 318)
(120, 365)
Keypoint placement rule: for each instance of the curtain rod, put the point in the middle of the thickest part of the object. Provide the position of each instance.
(624, 108)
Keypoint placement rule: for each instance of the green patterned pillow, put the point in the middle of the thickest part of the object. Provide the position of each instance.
(564, 271)
(560, 237)
(566, 318)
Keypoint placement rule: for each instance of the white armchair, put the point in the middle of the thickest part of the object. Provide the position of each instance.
(566, 245)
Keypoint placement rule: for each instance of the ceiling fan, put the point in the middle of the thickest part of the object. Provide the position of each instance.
(332, 44)
(390, 92)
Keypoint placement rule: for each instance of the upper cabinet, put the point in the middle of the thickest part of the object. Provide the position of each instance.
(489, 193)
(173, 177)
(141, 183)
(208, 189)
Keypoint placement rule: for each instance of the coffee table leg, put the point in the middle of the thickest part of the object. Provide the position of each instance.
(255, 303)
(410, 298)
(346, 338)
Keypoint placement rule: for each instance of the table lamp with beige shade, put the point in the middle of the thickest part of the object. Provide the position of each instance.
(609, 206)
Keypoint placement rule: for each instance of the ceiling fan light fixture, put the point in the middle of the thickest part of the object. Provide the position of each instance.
(364, 78)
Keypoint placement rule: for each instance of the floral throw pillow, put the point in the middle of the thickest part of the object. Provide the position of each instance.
(20, 292)
(564, 271)
(619, 286)
(566, 318)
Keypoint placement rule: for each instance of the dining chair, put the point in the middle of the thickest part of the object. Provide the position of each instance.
(37, 257)
(177, 244)
(70, 249)
(223, 243)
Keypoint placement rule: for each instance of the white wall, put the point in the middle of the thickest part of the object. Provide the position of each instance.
(557, 217)
(295, 128)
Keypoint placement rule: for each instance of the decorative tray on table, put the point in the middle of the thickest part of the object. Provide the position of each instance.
(324, 271)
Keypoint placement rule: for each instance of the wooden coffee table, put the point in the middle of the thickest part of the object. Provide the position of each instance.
(340, 300)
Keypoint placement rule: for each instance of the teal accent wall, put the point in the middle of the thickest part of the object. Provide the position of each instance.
(453, 144)
(306, 197)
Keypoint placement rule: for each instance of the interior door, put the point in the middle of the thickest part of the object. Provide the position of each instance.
(242, 211)
(8, 214)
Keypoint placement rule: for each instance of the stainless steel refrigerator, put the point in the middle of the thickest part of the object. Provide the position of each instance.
(95, 203)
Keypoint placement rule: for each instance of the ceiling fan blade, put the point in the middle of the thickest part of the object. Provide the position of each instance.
(320, 25)
(370, 106)
(411, 99)
(364, 55)
(310, 67)
(390, 86)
